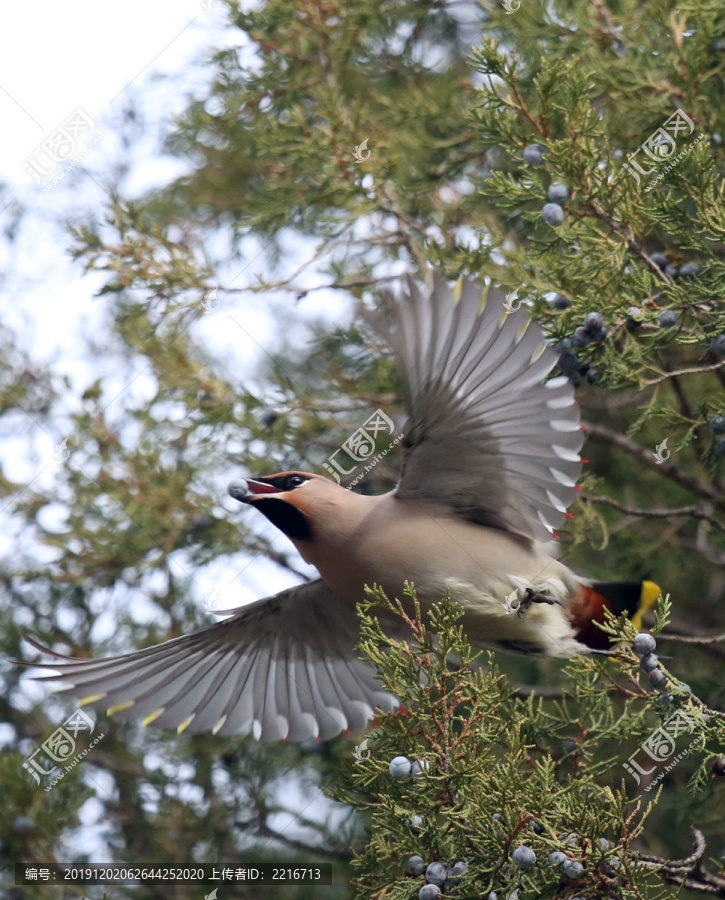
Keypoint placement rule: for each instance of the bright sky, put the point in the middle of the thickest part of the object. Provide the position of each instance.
(96, 58)
(53, 60)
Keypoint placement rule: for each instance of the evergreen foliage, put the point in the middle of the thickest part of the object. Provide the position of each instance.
(500, 770)
(444, 97)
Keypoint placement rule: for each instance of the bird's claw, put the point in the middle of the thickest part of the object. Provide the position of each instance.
(530, 597)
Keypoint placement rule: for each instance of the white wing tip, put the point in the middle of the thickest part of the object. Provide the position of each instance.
(568, 455)
(557, 382)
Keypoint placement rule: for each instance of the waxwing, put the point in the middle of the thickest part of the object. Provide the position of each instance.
(491, 461)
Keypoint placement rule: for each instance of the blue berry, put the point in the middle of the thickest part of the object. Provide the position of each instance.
(720, 447)
(493, 895)
(537, 828)
(593, 321)
(575, 378)
(552, 214)
(498, 817)
(557, 857)
(657, 678)
(717, 345)
(689, 270)
(634, 317)
(400, 767)
(667, 318)
(600, 334)
(455, 873)
(419, 766)
(534, 154)
(643, 644)
(718, 45)
(560, 302)
(593, 376)
(649, 663)
(269, 417)
(717, 424)
(580, 338)
(664, 699)
(718, 767)
(604, 843)
(558, 193)
(572, 868)
(564, 345)
(671, 271)
(436, 873)
(568, 362)
(660, 260)
(429, 892)
(523, 857)
(570, 746)
(416, 865)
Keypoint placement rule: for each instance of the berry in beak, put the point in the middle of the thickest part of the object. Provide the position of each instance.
(246, 489)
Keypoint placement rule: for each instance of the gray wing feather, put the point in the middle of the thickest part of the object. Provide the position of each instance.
(486, 436)
(276, 669)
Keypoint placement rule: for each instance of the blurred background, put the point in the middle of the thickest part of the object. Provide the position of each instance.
(194, 198)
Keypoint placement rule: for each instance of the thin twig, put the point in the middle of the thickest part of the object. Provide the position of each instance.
(688, 863)
(634, 245)
(531, 690)
(713, 639)
(263, 830)
(697, 370)
(692, 512)
(637, 451)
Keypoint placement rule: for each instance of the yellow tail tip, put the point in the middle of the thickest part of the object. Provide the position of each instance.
(94, 698)
(185, 724)
(127, 704)
(152, 718)
(648, 597)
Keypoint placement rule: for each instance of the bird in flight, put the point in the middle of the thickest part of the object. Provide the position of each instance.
(491, 461)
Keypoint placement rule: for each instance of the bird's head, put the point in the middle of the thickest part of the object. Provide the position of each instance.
(286, 499)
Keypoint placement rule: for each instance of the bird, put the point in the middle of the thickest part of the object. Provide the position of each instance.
(490, 467)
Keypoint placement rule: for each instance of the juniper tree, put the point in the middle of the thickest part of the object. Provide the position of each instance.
(380, 140)
(525, 794)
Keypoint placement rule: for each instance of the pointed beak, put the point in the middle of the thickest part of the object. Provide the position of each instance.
(246, 489)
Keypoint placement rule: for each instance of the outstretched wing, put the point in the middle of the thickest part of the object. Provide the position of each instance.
(485, 437)
(276, 669)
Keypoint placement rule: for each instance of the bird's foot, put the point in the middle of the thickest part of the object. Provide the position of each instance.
(531, 596)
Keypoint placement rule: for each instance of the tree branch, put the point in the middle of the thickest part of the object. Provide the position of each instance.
(713, 639)
(261, 829)
(606, 436)
(697, 370)
(687, 872)
(634, 245)
(692, 512)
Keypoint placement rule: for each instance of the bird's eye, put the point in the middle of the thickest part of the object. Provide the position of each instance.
(295, 481)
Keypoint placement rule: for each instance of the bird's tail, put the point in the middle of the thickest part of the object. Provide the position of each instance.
(587, 608)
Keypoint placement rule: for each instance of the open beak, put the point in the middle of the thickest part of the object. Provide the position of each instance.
(246, 489)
